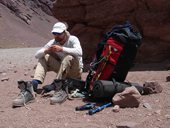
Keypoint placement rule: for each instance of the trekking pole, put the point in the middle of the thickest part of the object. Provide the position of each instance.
(85, 107)
(98, 109)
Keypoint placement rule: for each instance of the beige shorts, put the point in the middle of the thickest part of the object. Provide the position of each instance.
(68, 67)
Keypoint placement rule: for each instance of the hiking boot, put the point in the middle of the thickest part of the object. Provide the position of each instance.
(26, 95)
(59, 97)
(55, 85)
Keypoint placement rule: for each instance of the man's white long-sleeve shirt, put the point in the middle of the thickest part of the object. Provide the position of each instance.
(71, 47)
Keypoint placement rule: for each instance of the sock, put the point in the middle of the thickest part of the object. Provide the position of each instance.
(35, 84)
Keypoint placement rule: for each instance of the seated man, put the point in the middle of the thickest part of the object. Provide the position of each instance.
(63, 55)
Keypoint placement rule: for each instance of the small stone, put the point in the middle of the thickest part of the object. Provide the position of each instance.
(116, 108)
(168, 78)
(5, 79)
(147, 105)
(65, 124)
(127, 124)
(159, 120)
(88, 120)
(167, 116)
(158, 112)
(15, 71)
(149, 114)
(25, 74)
(34, 67)
(3, 73)
(157, 101)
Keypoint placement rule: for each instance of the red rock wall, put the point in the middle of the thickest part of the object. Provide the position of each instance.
(89, 19)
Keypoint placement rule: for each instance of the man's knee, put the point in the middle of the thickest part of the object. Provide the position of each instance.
(68, 57)
(46, 57)
(68, 60)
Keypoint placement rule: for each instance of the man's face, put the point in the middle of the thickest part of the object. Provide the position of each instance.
(59, 36)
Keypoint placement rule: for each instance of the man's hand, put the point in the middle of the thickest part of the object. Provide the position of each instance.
(56, 48)
(53, 49)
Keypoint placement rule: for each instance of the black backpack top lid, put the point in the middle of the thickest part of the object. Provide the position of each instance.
(125, 34)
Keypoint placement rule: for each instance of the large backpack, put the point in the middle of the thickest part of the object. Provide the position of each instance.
(114, 56)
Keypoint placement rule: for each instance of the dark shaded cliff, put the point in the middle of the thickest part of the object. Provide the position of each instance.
(89, 19)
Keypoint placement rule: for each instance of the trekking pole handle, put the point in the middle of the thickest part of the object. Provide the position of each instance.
(85, 107)
(98, 109)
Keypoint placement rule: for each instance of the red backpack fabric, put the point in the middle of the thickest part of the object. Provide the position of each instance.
(111, 52)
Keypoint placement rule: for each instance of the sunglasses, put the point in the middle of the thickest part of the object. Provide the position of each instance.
(56, 33)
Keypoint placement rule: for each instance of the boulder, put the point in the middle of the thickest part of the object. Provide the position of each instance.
(130, 97)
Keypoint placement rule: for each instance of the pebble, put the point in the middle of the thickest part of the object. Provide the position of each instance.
(3, 73)
(127, 124)
(167, 116)
(168, 78)
(25, 74)
(5, 79)
(116, 108)
(158, 112)
(147, 105)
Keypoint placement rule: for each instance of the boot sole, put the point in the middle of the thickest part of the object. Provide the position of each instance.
(21, 105)
(53, 103)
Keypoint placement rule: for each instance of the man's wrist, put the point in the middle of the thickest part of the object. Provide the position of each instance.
(61, 48)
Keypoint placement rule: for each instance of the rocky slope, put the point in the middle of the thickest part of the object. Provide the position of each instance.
(89, 19)
(25, 23)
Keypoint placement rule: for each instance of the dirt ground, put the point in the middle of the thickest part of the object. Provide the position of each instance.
(16, 64)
